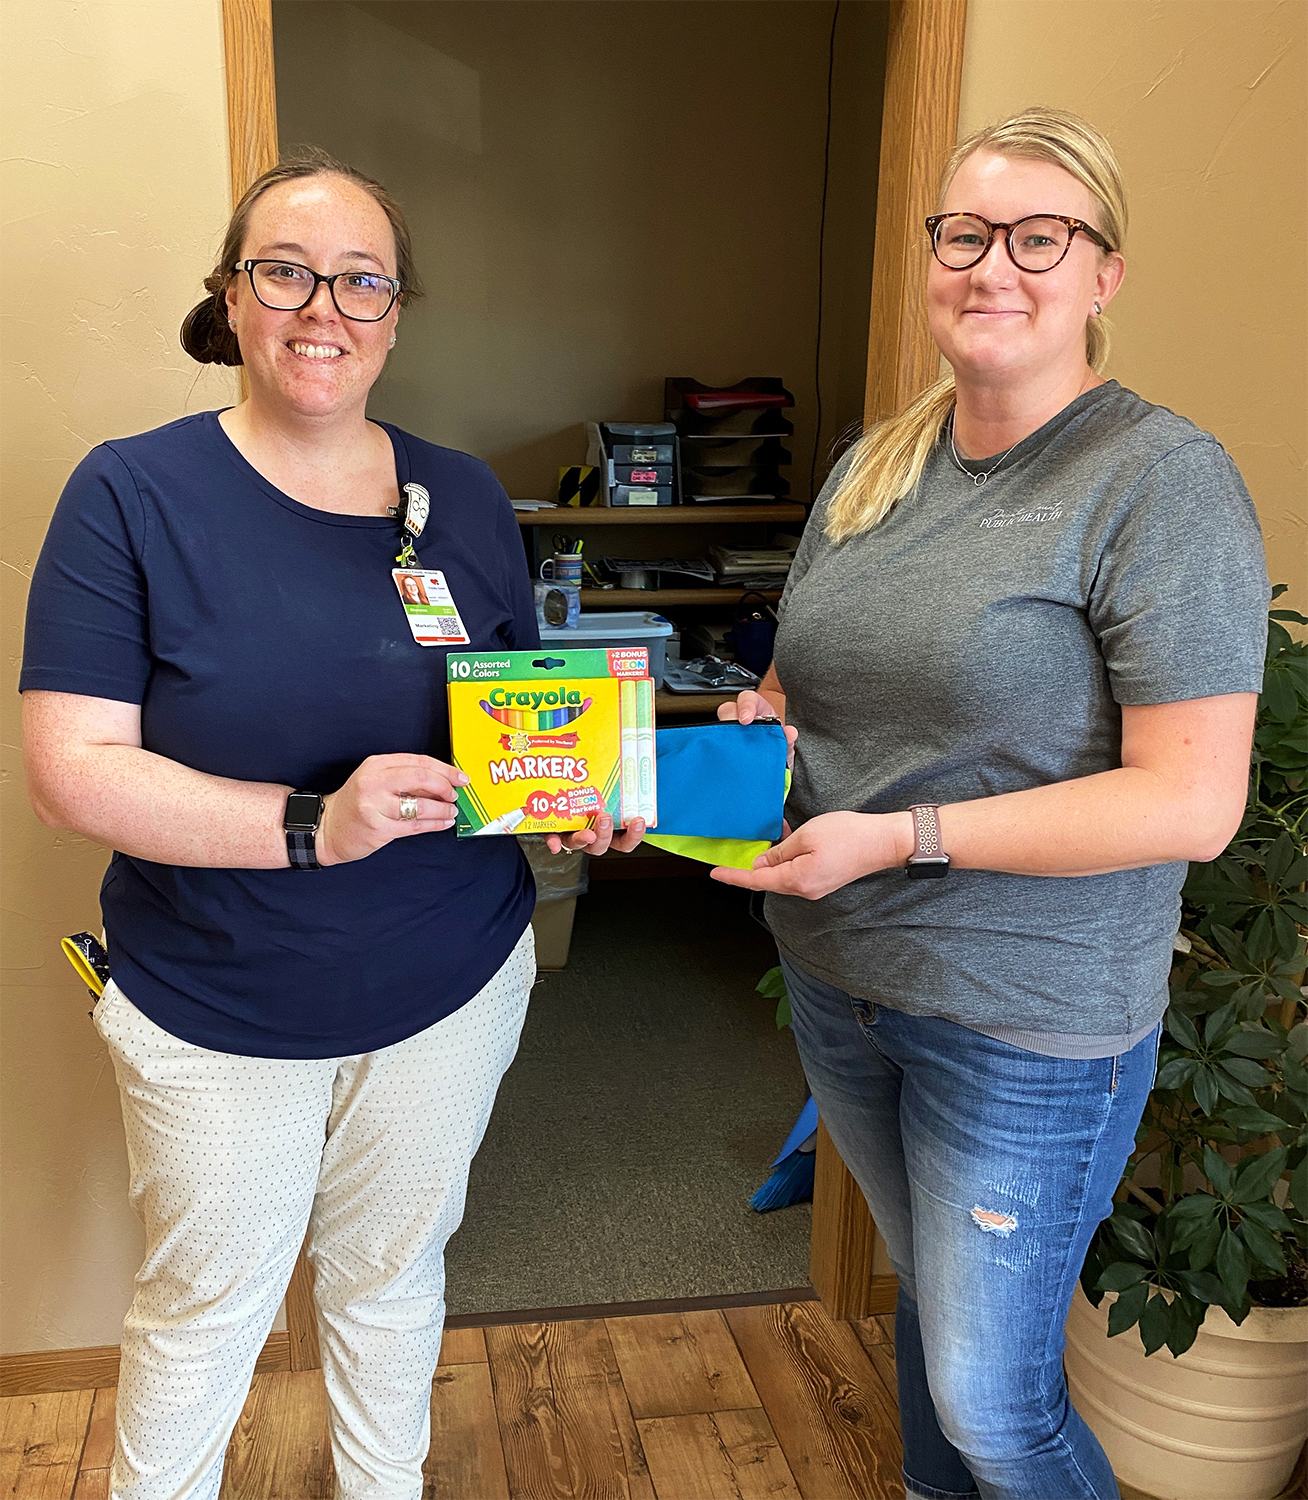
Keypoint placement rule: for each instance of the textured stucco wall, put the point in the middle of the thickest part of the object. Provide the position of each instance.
(1206, 103)
(115, 193)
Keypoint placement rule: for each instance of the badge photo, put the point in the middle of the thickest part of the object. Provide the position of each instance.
(429, 607)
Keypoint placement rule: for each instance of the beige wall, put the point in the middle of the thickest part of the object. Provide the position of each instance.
(1206, 104)
(602, 195)
(115, 188)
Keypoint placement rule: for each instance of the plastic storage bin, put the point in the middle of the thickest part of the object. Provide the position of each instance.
(618, 627)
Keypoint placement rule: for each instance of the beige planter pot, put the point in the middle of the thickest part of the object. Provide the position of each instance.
(1224, 1422)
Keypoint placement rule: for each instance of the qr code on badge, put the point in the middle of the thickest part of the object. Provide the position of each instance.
(446, 626)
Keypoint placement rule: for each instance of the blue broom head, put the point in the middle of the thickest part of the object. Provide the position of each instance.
(792, 1182)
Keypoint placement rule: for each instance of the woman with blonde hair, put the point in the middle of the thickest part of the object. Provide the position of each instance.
(1022, 643)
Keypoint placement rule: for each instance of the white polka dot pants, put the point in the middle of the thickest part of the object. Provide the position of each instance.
(231, 1158)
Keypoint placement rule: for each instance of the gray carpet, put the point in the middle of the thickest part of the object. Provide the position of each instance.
(649, 1096)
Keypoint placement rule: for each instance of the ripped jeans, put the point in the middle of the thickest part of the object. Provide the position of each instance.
(987, 1168)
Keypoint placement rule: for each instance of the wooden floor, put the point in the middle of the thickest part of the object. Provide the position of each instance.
(749, 1403)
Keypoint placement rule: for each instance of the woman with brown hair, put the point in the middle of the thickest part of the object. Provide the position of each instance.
(1022, 643)
(315, 1054)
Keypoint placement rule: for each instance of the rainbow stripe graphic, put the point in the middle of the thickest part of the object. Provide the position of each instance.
(536, 720)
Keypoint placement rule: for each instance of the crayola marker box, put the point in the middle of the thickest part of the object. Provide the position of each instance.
(552, 738)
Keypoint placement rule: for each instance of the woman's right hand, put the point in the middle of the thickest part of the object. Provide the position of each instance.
(747, 707)
(750, 706)
(365, 814)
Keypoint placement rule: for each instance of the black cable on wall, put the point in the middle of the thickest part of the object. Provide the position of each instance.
(822, 244)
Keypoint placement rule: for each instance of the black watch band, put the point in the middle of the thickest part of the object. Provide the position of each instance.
(928, 860)
(300, 822)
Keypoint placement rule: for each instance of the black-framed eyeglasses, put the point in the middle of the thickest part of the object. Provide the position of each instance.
(1036, 243)
(286, 286)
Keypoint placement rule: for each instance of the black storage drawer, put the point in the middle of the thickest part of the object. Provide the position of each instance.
(642, 473)
(639, 494)
(643, 453)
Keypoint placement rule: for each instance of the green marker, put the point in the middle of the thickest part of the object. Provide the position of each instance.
(647, 796)
(630, 753)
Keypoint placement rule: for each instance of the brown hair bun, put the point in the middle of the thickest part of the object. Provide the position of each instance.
(207, 335)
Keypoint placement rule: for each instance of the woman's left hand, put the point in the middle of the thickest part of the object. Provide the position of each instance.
(827, 852)
(598, 840)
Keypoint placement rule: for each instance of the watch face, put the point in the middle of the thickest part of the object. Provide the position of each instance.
(928, 869)
(303, 809)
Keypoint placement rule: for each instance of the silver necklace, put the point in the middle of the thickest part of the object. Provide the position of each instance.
(977, 479)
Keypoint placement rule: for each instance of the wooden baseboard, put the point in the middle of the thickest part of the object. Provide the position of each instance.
(88, 1369)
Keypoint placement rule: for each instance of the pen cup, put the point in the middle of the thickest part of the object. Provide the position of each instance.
(563, 567)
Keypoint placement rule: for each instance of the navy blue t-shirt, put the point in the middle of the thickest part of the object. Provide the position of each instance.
(265, 641)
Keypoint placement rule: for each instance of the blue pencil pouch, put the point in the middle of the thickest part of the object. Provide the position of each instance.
(721, 781)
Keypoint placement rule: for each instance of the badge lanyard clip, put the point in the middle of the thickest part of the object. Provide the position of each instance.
(412, 512)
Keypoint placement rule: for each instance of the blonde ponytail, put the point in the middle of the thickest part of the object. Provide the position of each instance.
(887, 462)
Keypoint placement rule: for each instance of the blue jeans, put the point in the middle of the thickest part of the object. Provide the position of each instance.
(986, 1168)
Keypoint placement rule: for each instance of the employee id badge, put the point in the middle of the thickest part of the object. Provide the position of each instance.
(429, 608)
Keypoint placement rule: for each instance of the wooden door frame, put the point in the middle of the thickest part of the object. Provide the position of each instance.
(251, 150)
(924, 70)
(919, 127)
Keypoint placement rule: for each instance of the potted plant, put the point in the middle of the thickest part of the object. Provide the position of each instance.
(1206, 1251)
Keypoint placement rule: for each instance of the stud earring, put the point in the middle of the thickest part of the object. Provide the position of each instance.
(391, 345)
(1098, 310)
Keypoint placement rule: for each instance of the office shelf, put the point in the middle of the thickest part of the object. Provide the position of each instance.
(681, 705)
(565, 518)
(612, 598)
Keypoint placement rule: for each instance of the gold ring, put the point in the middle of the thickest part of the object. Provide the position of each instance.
(408, 808)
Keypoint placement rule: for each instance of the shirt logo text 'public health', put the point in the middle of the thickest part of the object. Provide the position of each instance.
(1036, 515)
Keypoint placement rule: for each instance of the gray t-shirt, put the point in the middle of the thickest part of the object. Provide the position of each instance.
(980, 640)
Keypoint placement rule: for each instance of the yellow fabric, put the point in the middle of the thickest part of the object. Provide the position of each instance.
(738, 854)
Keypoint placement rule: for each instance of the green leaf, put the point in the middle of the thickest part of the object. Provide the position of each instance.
(783, 1012)
(1259, 1042)
(1233, 1267)
(1299, 1187)
(1195, 1205)
(1217, 1172)
(1296, 1043)
(1154, 1324)
(1205, 1089)
(1260, 939)
(1262, 1247)
(1246, 1071)
(1183, 1319)
(1220, 1024)
(1268, 1215)
(1120, 1275)
(1253, 1118)
(1182, 1028)
(1282, 858)
(1235, 1092)
(1202, 1285)
(1134, 1238)
(1231, 946)
(1279, 697)
(1258, 1175)
(1217, 979)
(773, 983)
(1204, 1250)
(1125, 1312)
(1175, 1073)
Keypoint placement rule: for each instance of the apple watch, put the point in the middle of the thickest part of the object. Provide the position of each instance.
(928, 860)
(301, 820)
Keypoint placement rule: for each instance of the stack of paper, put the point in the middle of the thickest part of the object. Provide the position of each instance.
(734, 564)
